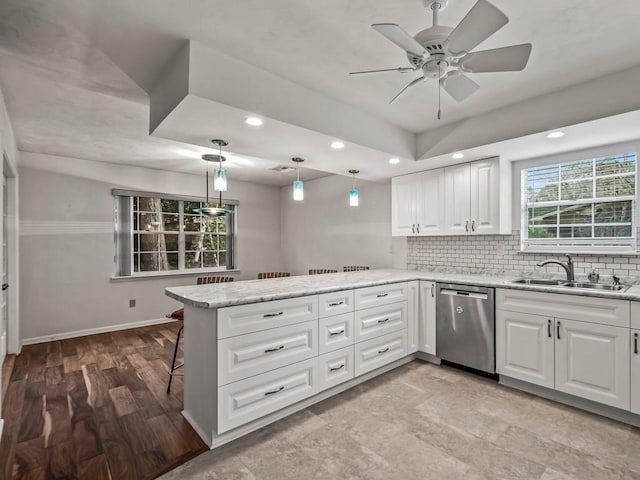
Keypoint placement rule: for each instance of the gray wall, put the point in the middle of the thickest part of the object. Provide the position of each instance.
(67, 246)
(324, 232)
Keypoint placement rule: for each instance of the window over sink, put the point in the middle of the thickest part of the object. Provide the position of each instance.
(585, 206)
(164, 234)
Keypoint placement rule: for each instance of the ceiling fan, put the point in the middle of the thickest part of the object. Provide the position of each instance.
(444, 53)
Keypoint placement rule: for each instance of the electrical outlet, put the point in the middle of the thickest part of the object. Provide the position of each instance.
(132, 303)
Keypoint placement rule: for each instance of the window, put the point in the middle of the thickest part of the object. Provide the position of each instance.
(581, 206)
(160, 233)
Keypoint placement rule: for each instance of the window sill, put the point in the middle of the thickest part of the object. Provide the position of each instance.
(560, 251)
(159, 275)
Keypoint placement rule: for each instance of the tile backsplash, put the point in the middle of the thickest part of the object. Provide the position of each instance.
(501, 253)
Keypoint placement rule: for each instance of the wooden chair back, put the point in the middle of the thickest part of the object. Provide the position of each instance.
(263, 275)
(354, 268)
(216, 279)
(320, 271)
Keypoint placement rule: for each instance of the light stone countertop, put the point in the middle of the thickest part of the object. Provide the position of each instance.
(251, 291)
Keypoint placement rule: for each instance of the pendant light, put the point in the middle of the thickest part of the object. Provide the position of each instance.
(219, 183)
(298, 186)
(353, 192)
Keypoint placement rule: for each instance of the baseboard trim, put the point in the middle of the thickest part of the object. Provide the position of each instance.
(93, 331)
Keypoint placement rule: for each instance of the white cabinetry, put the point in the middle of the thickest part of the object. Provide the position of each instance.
(592, 361)
(477, 198)
(427, 316)
(635, 371)
(417, 203)
(573, 344)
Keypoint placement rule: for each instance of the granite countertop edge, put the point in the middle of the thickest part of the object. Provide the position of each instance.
(253, 291)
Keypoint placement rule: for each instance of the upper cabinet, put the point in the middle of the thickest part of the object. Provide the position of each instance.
(418, 203)
(467, 199)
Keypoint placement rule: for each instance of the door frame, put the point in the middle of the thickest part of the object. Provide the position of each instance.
(13, 325)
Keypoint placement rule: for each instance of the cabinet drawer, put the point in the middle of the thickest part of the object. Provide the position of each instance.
(254, 317)
(373, 322)
(255, 397)
(335, 368)
(604, 311)
(379, 351)
(335, 332)
(335, 303)
(247, 355)
(380, 295)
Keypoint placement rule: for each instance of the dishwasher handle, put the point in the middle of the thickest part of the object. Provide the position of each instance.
(462, 293)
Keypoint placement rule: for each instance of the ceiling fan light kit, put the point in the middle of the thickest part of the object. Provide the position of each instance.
(445, 54)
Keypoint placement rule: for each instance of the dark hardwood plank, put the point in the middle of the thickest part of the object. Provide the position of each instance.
(7, 367)
(95, 468)
(95, 407)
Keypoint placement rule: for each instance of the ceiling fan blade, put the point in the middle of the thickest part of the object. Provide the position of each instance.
(458, 85)
(415, 82)
(399, 69)
(505, 59)
(401, 38)
(482, 21)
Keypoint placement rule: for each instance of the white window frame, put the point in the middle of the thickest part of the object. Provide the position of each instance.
(622, 246)
(124, 236)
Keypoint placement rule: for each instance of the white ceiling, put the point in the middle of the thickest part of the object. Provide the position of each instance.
(76, 73)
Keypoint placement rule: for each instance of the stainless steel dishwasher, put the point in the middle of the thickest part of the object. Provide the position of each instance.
(465, 326)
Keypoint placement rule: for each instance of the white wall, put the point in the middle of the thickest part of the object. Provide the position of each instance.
(324, 232)
(67, 243)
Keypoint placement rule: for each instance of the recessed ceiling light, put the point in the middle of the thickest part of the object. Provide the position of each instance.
(394, 160)
(457, 155)
(555, 135)
(253, 121)
(337, 145)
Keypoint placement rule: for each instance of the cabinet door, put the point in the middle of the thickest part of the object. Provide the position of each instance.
(427, 316)
(430, 203)
(413, 316)
(635, 371)
(485, 196)
(456, 206)
(524, 347)
(592, 362)
(404, 195)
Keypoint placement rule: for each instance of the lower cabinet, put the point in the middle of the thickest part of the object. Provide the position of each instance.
(379, 351)
(255, 397)
(524, 347)
(592, 362)
(587, 359)
(335, 367)
(635, 371)
(427, 316)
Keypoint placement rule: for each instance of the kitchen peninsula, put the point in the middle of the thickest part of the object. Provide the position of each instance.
(259, 350)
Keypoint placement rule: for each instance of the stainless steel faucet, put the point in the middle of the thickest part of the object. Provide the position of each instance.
(568, 267)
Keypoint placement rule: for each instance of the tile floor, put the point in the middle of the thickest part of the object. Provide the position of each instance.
(423, 421)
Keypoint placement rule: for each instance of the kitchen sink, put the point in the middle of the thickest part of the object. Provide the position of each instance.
(538, 281)
(566, 284)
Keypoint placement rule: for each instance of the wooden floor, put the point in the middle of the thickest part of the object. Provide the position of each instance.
(95, 407)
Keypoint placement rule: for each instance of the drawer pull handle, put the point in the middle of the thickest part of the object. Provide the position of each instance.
(336, 332)
(635, 343)
(549, 329)
(384, 320)
(383, 351)
(275, 349)
(339, 367)
(335, 304)
(558, 329)
(271, 392)
(380, 295)
(269, 315)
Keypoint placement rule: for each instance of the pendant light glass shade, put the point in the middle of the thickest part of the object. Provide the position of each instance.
(353, 197)
(354, 194)
(220, 180)
(298, 190)
(298, 186)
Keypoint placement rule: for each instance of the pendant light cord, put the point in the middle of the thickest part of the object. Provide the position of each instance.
(220, 167)
(439, 88)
